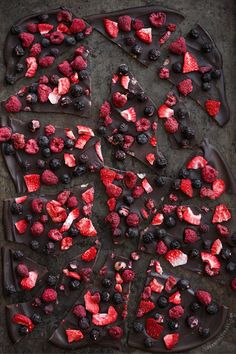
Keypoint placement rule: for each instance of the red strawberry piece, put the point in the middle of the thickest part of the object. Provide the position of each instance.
(98, 149)
(186, 187)
(26, 39)
(63, 85)
(190, 236)
(216, 247)
(165, 112)
(175, 298)
(176, 257)
(74, 335)
(176, 311)
(71, 274)
(130, 179)
(113, 219)
(124, 81)
(13, 104)
(69, 160)
(161, 247)
(204, 297)
(119, 99)
(89, 255)
(5, 134)
(56, 37)
(64, 15)
(137, 192)
(170, 283)
(145, 35)
(186, 214)
(157, 19)
(86, 228)
(209, 174)
(43, 79)
(178, 46)
(78, 25)
(79, 311)
(171, 125)
(65, 68)
(221, 214)
(29, 282)
(43, 92)
(49, 295)
(55, 235)
(113, 191)
(185, 87)
(32, 27)
(124, 23)
(212, 261)
(105, 110)
(207, 193)
(73, 215)
(37, 228)
(115, 332)
(88, 195)
(35, 49)
(233, 284)
(49, 178)
(129, 114)
(69, 133)
(137, 24)
(23, 320)
(104, 319)
(171, 340)
(32, 182)
(153, 328)
(111, 203)
(212, 107)
(107, 176)
(63, 197)
(49, 130)
(222, 230)
(62, 28)
(44, 28)
(157, 219)
(56, 212)
(82, 141)
(32, 67)
(72, 202)
(218, 187)
(91, 304)
(171, 27)
(145, 307)
(156, 286)
(37, 205)
(31, 147)
(146, 186)
(164, 73)
(111, 27)
(84, 130)
(57, 144)
(20, 200)
(46, 61)
(190, 63)
(196, 163)
(79, 63)
(66, 243)
(132, 220)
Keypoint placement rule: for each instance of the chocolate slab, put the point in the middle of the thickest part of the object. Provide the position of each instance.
(189, 338)
(11, 276)
(159, 34)
(113, 270)
(16, 162)
(213, 60)
(13, 61)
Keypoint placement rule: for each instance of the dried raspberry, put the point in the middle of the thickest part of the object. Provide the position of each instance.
(55, 235)
(49, 178)
(43, 79)
(43, 92)
(35, 49)
(204, 297)
(185, 87)
(79, 63)
(57, 144)
(115, 332)
(72, 202)
(128, 141)
(137, 24)
(46, 61)
(119, 99)
(18, 141)
(128, 275)
(124, 23)
(31, 147)
(26, 39)
(49, 295)
(178, 46)
(22, 270)
(49, 130)
(64, 15)
(56, 37)
(79, 311)
(157, 19)
(105, 110)
(190, 236)
(130, 179)
(176, 311)
(13, 104)
(132, 219)
(209, 174)
(37, 205)
(78, 25)
(137, 191)
(171, 125)
(233, 284)
(37, 228)
(113, 219)
(142, 125)
(65, 68)
(113, 191)
(5, 134)
(32, 27)
(164, 73)
(161, 247)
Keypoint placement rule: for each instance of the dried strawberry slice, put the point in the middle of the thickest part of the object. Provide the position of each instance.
(88, 195)
(74, 335)
(86, 228)
(153, 328)
(71, 274)
(176, 257)
(73, 215)
(196, 163)
(90, 304)
(66, 243)
(90, 254)
(156, 286)
(104, 319)
(21, 226)
(32, 182)
(29, 282)
(23, 320)
(56, 212)
(221, 214)
(145, 307)
(171, 340)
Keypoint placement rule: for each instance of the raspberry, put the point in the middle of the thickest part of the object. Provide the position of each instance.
(46, 61)
(113, 219)
(115, 332)
(72, 202)
(5, 134)
(56, 144)
(233, 284)
(85, 274)
(13, 104)
(128, 275)
(18, 141)
(43, 92)
(78, 25)
(22, 270)
(49, 178)
(190, 236)
(26, 39)
(49, 295)
(209, 174)
(137, 24)
(142, 125)
(176, 311)
(137, 191)
(79, 311)
(43, 80)
(119, 99)
(79, 63)
(178, 46)
(37, 205)
(164, 73)
(49, 130)
(113, 191)
(132, 219)
(128, 141)
(63, 197)
(32, 27)
(37, 228)
(44, 218)
(64, 15)
(31, 147)
(35, 49)
(161, 248)
(185, 87)
(171, 125)
(65, 68)
(55, 235)
(222, 230)
(56, 37)
(204, 297)
(130, 179)
(124, 23)
(157, 19)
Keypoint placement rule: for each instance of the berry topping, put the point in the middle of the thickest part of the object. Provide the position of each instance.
(178, 46)
(153, 328)
(185, 87)
(212, 107)
(204, 297)
(145, 35)
(111, 27)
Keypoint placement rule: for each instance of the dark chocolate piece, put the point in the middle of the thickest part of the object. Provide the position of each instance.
(135, 33)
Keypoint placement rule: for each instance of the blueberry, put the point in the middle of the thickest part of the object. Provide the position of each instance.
(79, 36)
(49, 248)
(226, 253)
(79, 105)
(41, 163)
(94, 334)
(123, 69)
(187, 132)
(16, 208)
(28, 218)
(33, 88)
(8, 149)
(19, 67)
(31, 98)
(212, 308)
(54, 79)
(215, 74)
(46, 152)
(136, 49)
(70, 40)
(105, 296)
(153, 54)
(43, 141)
(160, 181)
(148, 237)
(194, 33)
(193, 253)
(207, 47)
(183, 173)
(83, 323)
(106, 282)
(73, 231)
(148, 342)
(161, 161)
(69, 143)
(204, 332)
(192, 321)
(10, 79)
(83, 74)
(196, 183)
(45, 42)
(130, 41)
(83, 158)
(206, 86)
(79, 170)
(138, 327)
(142, 139)
(76, 90)
(173, 324)
(170, 221)
(183, 284)
(18, 254)
(230, 267)
(65, 178)
(177, 67)
(51, 280)
(181, 114)
(34, 244)
(65, 101)
(23, 331)
(141, 97)
(175, 245)
(128, 200)
(206, 244)
(160, 233)
(55, 164)
(118, 298)
(195, 306)
(162, 302)
(10, 289)
(123, 128)
(36, 318)
(118, 139)
(149, 111)
(74, 284)
(54, 52)
(102, 130)
(233, 238)
(132, 232)
(120, 155)
(206, 77)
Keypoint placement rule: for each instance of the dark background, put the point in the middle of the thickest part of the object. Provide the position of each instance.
(218, 17)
